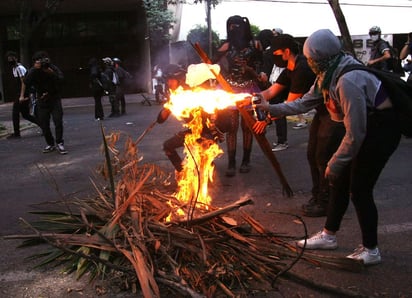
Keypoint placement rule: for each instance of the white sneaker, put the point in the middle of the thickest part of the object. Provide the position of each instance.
(300, 125)
(367, 256)
(280, 147)
(319, 240)
(48, 149)
(61, 149)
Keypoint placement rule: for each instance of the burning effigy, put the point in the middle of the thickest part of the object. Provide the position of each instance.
(198, 106)
(157, 242)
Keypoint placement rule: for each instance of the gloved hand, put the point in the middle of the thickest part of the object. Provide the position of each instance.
(259, 127)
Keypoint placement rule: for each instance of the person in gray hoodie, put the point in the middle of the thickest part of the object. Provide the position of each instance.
(372, 133)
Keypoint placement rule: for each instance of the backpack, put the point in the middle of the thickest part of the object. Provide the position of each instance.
(394, 62)
(399, 92)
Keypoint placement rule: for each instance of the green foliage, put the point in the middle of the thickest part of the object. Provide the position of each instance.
(255, 30)
(199, 34)
(212, 2)
(159, 21)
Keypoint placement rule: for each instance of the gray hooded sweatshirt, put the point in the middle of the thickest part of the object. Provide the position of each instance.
(353, 94)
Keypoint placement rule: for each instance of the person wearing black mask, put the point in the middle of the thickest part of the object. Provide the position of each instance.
(325, 135)
(239, 58)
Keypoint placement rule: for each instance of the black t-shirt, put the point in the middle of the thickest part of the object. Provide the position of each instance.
(298, 80)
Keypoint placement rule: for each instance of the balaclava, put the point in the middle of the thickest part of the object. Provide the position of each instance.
(240, 35)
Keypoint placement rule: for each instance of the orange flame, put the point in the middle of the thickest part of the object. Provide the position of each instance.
(183, 101)
(200, 152)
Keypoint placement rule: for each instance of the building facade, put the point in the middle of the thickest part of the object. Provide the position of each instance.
(76, 32)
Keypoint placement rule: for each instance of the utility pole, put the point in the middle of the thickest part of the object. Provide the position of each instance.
(209, 26)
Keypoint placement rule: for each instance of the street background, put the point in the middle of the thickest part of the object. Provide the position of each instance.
(29, 177)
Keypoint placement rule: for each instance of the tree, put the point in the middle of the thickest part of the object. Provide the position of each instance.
(255, 30)
(159, 21)
(209, 5)
(200, 34)
(29, 23)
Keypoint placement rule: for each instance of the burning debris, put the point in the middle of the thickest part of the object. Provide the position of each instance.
(136, 231)
(165, 242)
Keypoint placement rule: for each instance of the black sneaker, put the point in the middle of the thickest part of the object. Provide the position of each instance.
(317, 210)
(244, 167)
(60, 148)
(312, 202)
(48, 149)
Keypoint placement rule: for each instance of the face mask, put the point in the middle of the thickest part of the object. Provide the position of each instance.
(375, 37)
(12, 63)
(279, 62)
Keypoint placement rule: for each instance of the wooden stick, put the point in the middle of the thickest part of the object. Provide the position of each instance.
(213, 214)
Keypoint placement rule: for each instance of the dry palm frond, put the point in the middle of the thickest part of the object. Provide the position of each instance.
(128, 229)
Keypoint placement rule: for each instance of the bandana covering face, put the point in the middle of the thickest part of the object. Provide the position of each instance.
(319, 66)
(324, 69)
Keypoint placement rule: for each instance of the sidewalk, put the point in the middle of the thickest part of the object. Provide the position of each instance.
(6, 126)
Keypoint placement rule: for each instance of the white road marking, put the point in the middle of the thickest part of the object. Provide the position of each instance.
(395, 228)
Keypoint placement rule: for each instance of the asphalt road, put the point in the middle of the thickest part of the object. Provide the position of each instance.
(29, 177)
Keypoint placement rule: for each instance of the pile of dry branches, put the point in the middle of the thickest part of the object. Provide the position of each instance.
(133, 228)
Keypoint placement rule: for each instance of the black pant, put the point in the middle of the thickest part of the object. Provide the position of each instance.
(23, 108)
(170, 146)
(325, 137)
(98, 107)
(122, 104)
(281, 130)
(359, 178)
(121, 99)
(178, 141)
(114, 101)
(281, 123)
(52, 107)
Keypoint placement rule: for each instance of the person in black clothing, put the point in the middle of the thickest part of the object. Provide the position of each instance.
(380, 52)
(239, 57)
(46, 78)
(325, 135)
(110, 83)
(21, 103)
(97, 88)
(123, 76)
(272, 66)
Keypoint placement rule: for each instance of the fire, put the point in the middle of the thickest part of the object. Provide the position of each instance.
(199, 150)
(182, 102)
